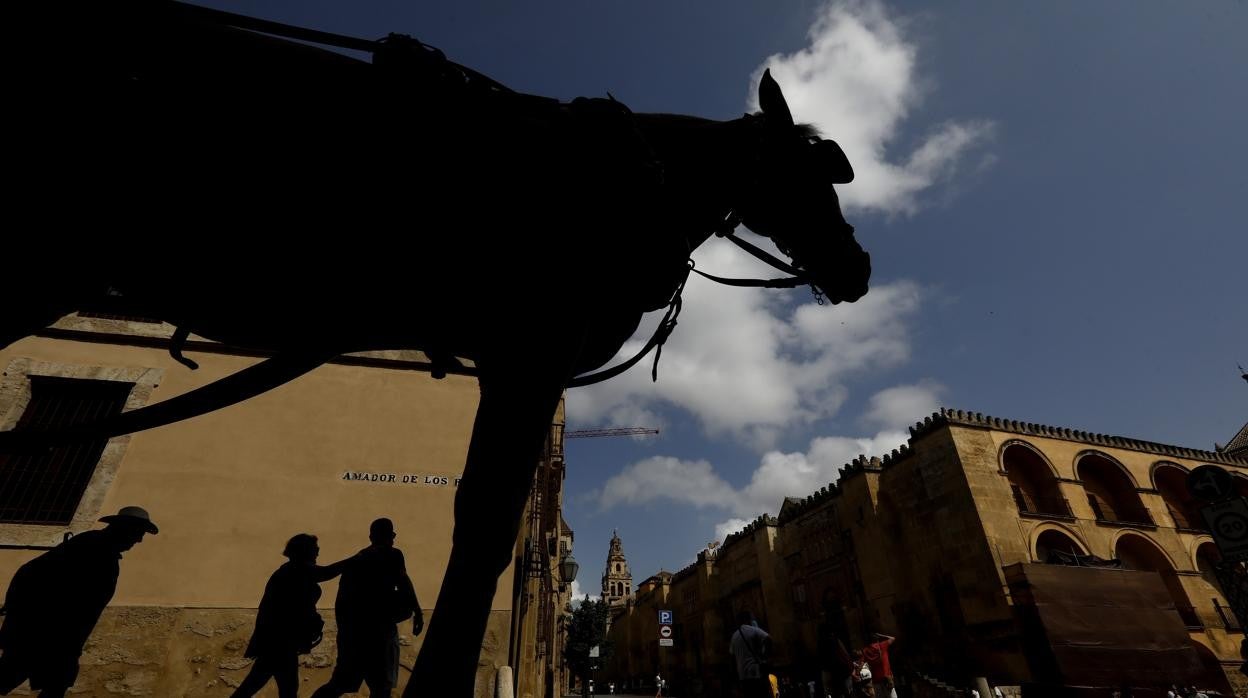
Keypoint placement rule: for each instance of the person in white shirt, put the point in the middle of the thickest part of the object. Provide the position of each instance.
(750, 646)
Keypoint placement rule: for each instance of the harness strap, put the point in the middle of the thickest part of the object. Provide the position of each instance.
(764, 255)
(290, 31)
(661, 333)
(791, 282)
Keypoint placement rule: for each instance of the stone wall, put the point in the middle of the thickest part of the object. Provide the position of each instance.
(194, 653)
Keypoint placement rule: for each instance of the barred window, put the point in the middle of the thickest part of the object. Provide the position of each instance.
(44, 487)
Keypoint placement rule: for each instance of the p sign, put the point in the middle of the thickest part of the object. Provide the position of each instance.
(665, 617)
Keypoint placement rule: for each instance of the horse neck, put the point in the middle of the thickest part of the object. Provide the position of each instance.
(703, 166)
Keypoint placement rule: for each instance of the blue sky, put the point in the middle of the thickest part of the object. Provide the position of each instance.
(1052, 194)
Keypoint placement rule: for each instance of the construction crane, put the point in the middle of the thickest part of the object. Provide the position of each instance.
(623, 431)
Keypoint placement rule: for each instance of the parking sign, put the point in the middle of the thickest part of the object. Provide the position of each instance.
(665, 617)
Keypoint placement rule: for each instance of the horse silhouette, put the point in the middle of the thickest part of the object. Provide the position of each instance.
(270, 194)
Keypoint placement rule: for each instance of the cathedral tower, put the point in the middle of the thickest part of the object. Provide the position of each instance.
(617, 581)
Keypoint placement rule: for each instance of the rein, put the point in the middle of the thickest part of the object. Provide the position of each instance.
(398, 46)
(725, 229)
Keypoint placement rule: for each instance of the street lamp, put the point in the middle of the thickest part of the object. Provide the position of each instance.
(568, 567)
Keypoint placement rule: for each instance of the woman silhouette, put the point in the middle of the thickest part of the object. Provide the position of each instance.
(287, 624)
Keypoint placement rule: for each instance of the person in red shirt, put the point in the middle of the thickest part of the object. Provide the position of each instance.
(876, 655)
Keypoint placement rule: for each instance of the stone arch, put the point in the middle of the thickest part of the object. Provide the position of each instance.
(1113, 461)
(1111, 489)
(1205, 554)
(1194, 547)
(1033, 479)
(1215, 677)
(1152, 470)
(1170, 481)
(1140, 553)
(1029, 446)
(1045, 535)
(1161, 552)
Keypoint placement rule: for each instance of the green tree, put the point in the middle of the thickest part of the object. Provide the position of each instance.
(587, 629)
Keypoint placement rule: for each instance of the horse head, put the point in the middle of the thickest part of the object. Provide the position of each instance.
(790, 199)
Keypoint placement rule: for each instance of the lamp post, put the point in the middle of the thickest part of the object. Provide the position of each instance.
(568, 567)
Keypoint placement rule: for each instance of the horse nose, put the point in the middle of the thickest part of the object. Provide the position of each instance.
(851, 280)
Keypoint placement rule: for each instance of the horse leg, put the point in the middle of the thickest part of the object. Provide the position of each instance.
(512, 422)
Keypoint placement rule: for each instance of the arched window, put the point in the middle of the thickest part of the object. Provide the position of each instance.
(617, 567)
(1138, 553)
(1032, 482)
(1111, 493)
(1207, 556)
(1050, 542)
(1171, 482)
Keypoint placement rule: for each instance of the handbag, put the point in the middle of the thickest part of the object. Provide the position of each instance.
(312, 633)
(401, 602)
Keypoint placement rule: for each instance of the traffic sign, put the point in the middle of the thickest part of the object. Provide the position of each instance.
(1228, 522)
(666, 643)
(665, 631)
(1210, 483)
(665, 617)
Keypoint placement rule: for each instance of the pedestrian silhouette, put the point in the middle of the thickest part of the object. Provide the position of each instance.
(750, 646)
(287, 624)
(55, 600)
(374, 595)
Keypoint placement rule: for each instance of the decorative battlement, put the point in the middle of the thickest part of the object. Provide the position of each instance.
(763, 520)
(948, 416)
(976, 419)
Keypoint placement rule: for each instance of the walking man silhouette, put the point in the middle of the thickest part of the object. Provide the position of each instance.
(55, 600)
(374, 595)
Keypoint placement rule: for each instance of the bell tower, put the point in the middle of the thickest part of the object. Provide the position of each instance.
(617, 581)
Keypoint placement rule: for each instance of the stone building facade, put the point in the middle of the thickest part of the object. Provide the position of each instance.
(361, 437)
(966, 543)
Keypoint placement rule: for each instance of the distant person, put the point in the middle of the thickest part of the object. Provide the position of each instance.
(750, 646)
(55, 600)
(287, 624)
(834, 660)
(862, 676)
(374, 595)
(876, 655)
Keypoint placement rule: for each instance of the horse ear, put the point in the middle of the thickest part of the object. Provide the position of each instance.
(831, 159)
(771, 99)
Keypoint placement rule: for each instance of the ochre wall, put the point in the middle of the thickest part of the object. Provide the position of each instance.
(229, 488)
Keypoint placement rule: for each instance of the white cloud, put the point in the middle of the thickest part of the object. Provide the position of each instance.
(857, 81)
(743, 364)
(663, 477)
(578, 594)
(901, 406)
(730, 527)
(778, 474)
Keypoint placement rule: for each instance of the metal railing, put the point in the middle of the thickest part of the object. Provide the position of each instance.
(1229, 621)
(1053, 505)
(1138, 517)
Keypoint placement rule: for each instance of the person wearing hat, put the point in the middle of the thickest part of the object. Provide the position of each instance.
(55, 600)
(374, 595)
